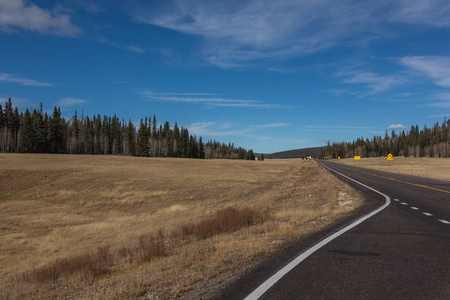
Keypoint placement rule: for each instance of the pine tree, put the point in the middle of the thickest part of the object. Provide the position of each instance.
(176, 141)
(142, 140)
(193, 148)
(25, 132)
(201, 149)
(154, 127)
(38, 132)
(131, 139)
(56, 132)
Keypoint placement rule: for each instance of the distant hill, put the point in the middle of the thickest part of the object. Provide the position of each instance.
(297, 153)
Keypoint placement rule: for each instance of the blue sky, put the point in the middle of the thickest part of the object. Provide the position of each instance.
(266, 75)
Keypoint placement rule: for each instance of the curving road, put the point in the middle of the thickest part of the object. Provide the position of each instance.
(402, 252)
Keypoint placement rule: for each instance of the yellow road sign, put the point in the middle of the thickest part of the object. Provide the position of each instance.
(357, 157)
(339, 157)
(389, 155)
(389, 158)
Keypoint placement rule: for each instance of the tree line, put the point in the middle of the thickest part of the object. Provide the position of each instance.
(35, 131)
(427, 142)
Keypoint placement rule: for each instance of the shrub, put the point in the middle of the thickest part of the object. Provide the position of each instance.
(94, 264)
(225, 220)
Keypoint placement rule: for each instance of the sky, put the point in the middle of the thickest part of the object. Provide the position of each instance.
(266, 75)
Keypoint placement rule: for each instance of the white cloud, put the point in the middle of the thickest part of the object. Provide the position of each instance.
(337, 126)
(20, 102)
(70, 102)
(397, 126)
(423, 12)
(447, 116)
(25, 15)
(135, 49)
(273, 125)
(182, 94)
(239, 31)
(23, 81)
(213, 129)
(93, 9)
(207, 99)
(235, 32)
(435, 67)
(376, 83)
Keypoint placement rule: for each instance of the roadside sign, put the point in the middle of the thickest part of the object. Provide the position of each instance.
(389, 157)
(339, 157)
(357, 157)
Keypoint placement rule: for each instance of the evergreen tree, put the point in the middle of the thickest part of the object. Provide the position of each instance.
(131, 138)
(56, 132)
(176, 141)
(142, 140)
(154, 127)
(201, 149)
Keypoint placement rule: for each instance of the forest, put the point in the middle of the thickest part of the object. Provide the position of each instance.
(35, 131)
(427, 142)
(297, 153)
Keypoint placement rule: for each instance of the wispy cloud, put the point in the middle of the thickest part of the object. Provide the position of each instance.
(397, 126)
(132, 48)
(435, 67)
(212, 129)
(207, 99)
(182, 94)
(430, 12)
(23, 81)
(440, 100)
(447, 115)
(16, 101)
(337, 126)
(135, 49)
(272, 125)
(71, 102)
(237, 32)
(25, 15)
(374, 82)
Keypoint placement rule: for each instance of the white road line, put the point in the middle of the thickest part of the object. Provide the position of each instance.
(415, 208)
(396, 200)
(404, 203)
(265, 286)
(444, 221)
(427, 214)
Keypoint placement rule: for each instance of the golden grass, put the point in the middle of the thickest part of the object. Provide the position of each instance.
(59, 211)
(428, 167)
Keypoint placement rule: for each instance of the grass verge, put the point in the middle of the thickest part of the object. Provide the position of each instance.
(102, 227)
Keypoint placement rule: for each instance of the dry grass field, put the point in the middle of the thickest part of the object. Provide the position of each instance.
(438, 168)
(109, 227)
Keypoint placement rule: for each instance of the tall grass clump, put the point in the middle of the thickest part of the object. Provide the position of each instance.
(226, 220)
(94, 264)
(151, 247)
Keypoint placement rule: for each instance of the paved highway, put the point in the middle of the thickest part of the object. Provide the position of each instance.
(402, 252)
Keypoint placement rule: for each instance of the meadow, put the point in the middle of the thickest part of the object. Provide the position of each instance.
(427, 167)
(112, 227)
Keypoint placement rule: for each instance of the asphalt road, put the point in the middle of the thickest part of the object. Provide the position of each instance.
(403, 252)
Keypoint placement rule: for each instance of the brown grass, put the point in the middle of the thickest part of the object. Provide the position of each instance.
(161, 224)
(94, 264)
(427, 167)
(226, 220)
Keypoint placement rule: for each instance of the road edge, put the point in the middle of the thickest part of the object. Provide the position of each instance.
(266, 285)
